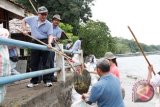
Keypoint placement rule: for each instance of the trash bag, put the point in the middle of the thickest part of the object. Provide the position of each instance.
(82, 81)
(5, 68)
(82, 103)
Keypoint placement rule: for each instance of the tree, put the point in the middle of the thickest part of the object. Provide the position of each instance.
(96, 38)
(72, 11)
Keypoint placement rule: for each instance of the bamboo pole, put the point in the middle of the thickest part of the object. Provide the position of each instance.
(140, 47)
(54, 50)
(33, 6)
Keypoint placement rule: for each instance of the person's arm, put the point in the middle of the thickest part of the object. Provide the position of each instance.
(27, 20)
(24, 27)
(79, 48)
(59, 34)
(51, 38)
(94, 94)
(150, 70)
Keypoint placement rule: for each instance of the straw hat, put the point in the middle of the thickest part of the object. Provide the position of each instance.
(109, 55)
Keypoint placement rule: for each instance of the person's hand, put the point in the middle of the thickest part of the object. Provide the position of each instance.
(150, 68)
(25, 32)
(49, 45)
(85, 96)
(54, 39)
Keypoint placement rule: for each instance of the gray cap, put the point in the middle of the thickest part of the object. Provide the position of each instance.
(109, 55)
(42, 9)
(56, 16)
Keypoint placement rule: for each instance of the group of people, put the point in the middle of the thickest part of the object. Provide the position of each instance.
(48, 33)
(106, 92)
(43, 30)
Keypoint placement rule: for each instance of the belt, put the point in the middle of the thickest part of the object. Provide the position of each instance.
(43, 40)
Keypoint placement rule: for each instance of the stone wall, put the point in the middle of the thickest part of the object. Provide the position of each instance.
(59, 95)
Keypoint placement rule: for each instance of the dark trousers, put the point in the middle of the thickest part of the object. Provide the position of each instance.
(52, 56)
(40, 60)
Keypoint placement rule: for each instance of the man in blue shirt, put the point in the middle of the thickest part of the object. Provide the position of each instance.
(107, 91)
(41, 29)
(57, 31)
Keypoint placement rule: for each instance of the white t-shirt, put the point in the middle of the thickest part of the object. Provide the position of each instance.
(155, 81)
(76, 46)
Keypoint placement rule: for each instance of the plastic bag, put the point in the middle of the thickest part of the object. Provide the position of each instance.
(5, 67)
(81, 103)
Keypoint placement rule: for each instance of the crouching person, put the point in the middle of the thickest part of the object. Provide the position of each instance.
(4, 62)
(107, 91)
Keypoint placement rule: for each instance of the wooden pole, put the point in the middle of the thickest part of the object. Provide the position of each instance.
(59, 52)
(140, 47)
(33, 6)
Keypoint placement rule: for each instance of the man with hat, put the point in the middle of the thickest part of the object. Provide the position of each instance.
(57, 33)
(41, 29)
(107, 91)
(56, 29)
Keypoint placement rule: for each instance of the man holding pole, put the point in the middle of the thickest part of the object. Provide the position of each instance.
(57, 31)
(42, 30)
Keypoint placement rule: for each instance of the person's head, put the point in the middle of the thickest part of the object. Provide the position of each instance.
(92, 59)
(111, 57)
(56, 19)
(103, 66)
(80, 38)
(42, 13)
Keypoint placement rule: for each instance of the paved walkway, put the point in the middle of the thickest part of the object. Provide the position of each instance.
(18, 93)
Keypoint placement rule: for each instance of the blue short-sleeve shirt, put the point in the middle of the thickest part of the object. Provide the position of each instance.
(107, 92)
(57, 31)
(39, 31)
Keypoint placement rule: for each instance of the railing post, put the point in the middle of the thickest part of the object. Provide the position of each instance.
(81, 58)
(61, 76)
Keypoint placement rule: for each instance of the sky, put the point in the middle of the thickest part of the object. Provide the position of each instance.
(143, 17)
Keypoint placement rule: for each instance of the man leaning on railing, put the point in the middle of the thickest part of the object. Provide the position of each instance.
(42, 30)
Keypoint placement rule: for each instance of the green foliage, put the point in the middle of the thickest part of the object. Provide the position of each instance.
(130, 46)
(68, 30)
(96, 38)
(71, 11)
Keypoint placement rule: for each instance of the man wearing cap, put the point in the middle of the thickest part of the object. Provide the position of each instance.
(56, 29)
(57, 34)
(41, 29)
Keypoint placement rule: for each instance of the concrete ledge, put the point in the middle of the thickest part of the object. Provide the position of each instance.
(59, 95)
